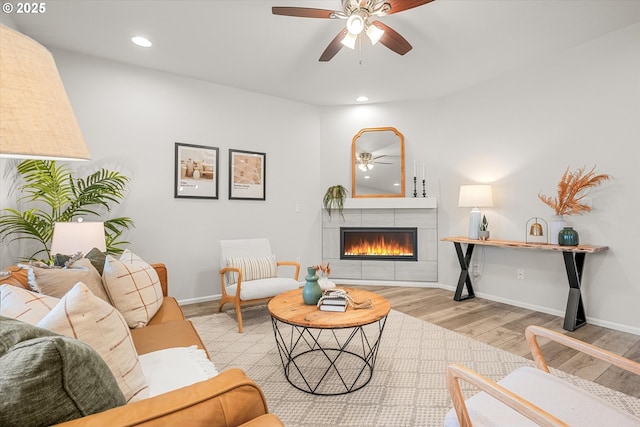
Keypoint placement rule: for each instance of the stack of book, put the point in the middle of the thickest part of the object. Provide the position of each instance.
(334, 304)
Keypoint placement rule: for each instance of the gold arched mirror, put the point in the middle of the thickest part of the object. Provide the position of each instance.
(377, 163)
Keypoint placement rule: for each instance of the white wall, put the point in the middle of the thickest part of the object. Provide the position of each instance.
(519, 133)
(131, 117)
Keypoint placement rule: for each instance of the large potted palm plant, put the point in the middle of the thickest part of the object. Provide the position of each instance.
(53, 195)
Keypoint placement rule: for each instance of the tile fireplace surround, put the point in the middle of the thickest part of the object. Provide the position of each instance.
(384, 212)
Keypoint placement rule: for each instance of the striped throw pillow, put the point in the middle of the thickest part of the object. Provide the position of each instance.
(252, 268)
(19, 303)
(83, 316)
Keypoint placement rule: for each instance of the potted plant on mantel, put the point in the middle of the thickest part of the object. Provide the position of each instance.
(570, 198)
(334, 198)
(57, 196)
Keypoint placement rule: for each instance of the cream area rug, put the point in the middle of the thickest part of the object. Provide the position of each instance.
(408, 386)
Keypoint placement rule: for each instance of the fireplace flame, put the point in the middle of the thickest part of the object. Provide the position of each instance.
(378, 247)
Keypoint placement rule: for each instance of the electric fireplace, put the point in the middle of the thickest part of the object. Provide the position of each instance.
(379, 243)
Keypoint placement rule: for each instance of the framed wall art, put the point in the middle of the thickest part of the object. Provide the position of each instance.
(247, 175)
(196, 172)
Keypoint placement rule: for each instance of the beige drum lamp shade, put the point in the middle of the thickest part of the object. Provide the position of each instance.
(72, 237)
(36, 118)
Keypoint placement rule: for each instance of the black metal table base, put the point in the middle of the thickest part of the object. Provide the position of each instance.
(574, 316)
(325, 361)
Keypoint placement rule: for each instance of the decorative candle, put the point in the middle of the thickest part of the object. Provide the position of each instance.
(415, 166)
(423, 171)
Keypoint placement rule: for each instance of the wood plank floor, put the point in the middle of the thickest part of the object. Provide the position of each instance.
(502, 326)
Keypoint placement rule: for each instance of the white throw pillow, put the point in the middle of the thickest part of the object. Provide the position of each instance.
(133, 287)
(19, 303)
(83, 316)
(252, 268)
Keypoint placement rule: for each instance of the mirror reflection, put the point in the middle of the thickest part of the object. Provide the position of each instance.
(377, 163)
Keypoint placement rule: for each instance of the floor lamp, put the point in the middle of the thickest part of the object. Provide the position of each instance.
(475, 197)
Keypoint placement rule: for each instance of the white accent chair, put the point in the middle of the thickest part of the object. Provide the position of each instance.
(249, 272)
(530, 396)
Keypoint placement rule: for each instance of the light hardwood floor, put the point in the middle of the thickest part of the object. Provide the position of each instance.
(502, 326)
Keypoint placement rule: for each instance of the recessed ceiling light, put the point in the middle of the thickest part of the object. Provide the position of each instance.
(362, 98)
(141, 41)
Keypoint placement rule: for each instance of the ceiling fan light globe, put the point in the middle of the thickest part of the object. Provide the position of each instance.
(355, 24)
(349, 40)
(374, 33)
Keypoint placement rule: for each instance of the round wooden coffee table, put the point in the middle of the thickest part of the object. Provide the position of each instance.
(328, 353)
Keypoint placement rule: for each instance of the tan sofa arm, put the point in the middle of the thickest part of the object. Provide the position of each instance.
(228, 399)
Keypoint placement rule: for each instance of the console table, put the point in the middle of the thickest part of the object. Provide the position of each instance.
(573, 261)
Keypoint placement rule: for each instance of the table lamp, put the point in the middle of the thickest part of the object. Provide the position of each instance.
(36, 118)
(72, 237)
(475, 196)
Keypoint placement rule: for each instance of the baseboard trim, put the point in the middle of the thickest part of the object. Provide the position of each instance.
(199, 299)
(592, 320)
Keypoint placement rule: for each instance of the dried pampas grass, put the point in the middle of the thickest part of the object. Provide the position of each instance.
(570, 191)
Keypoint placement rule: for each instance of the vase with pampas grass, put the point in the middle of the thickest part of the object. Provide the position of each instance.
(570, 199)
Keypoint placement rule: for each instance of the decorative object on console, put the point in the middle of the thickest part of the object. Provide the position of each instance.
(334, 198)
(536, 230)
(311, 292)
(484, 234)
(36, 118)
(58, 196)
(568, 237)
(360, 17)
(475, 196)
(570, 199)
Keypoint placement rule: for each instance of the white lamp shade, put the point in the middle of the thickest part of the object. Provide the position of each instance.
(36, 118)
(349, 40)
(374, 33)
(475, 196)
(72, 237)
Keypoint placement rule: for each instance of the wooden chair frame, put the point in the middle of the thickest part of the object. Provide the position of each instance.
(235, 299)
(456, 372)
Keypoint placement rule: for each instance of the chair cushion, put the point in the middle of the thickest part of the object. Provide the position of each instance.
(83, 316)
(571, 404)
(252, 268)
(134, 288)
(48, 379)
(263, 288)
(19, 303)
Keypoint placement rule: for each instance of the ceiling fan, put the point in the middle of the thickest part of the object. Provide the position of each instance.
(360, 16)
(366, 161)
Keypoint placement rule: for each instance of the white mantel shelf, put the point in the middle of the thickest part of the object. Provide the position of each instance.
(391, 203)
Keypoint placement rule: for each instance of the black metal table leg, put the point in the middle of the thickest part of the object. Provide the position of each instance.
(465, 277)
(574, 316)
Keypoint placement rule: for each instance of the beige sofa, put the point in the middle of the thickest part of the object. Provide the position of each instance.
(228, 399)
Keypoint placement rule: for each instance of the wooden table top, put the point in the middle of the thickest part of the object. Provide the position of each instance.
(590, 249)
(288, 307)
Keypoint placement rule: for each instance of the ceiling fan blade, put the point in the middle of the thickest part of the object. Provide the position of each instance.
(303, 12)
(334, 47)
(392, 39)
(402, 5)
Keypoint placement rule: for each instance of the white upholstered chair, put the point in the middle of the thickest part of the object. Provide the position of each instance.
(530, 396)
(249, 274)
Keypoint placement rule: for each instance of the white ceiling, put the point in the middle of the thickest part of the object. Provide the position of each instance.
(239, 43)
